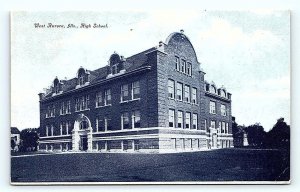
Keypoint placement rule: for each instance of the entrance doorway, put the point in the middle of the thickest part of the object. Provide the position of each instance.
(83, 143)
(214, 140)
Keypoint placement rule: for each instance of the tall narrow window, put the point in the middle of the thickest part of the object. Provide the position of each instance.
(187, 120)
(136, 119)
(62, 108)
(189, 69)
(179, 91)
(101, 125)
(194, 95)
(171, 88)
(68, 110)
(227, 129)
(107, 97)
(177, 63)
(223, 110)
(61, 128)
(171, 117)
(77, 104)
(183, 63)
(47, 131)
(81, 79)
(136, 90)
(124, 92)
(125, 120)
(99, 99)
(52, 130)
(205, 125)
(107, 122)
(223, 127)
(179, 119)
(212, 124)
(187, 93)
(195, 121)
(212, 107)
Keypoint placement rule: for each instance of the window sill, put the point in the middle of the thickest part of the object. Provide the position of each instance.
(83, 110)
(128, 101)
(64, 114)
(97, 107)
(49, 117)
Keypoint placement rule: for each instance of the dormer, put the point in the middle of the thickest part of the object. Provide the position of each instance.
(222, 92)
(83, 77)
(116, 65)
(57, 87)
(213, 88)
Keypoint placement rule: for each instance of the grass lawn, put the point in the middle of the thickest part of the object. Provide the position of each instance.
(217, 165)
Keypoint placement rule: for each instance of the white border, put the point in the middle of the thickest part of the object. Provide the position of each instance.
(98, 5)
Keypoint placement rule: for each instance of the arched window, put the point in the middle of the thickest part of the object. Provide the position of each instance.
(56, 85)
(116, 63)
(81, 76)
(212, 89)
(223, 93)
(83, 125)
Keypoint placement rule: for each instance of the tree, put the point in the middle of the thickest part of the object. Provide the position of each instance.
(29, 138)
(256, 135)
(279, 135)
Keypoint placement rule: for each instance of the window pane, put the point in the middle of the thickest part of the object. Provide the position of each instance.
(179, 91)
(171, 88)
(171, 117)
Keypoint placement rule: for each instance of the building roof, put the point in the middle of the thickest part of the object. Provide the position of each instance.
(131, 63)
(14, 130)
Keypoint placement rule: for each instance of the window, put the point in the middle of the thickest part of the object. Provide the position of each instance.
(212, 89)
(107, 97)
(177, 63)
(189, 69)
(107, 124)
(100, 124)
(194, 95)
(52, 130)
(205, 125)
(82, 103)
(179, 91)
(81, 79)
(136, 119)
(50, 111)
(68, 110)
(179, 119)
(99, 99)
(125, 120)
(171, 86)
(223, 93)
(114, 69)
(77, 104)
(223, 110)
(135, 90)
(183, 63)
(212, 124)
(171, 117)
(124, 92)
(47, 130)
(187, 120)
(83, 125)
(212, 107)
(227, 129)
(223, 127)
(62, 108)
(187, 97)
(195, 121)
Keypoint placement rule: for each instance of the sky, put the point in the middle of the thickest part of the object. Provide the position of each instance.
(246, 51)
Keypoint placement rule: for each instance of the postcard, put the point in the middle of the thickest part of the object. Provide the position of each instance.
(150, 97)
